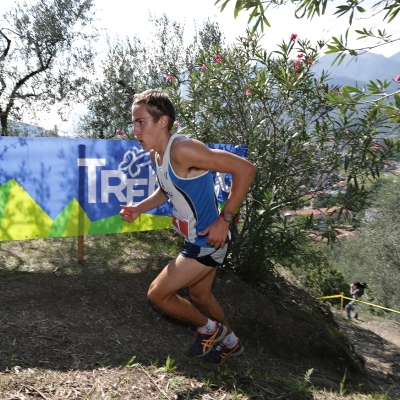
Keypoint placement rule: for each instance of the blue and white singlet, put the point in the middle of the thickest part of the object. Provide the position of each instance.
(195, 205)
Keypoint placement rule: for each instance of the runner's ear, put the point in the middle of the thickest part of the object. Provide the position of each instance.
(164, 121)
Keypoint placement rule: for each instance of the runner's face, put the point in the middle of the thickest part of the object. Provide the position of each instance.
(144, 128)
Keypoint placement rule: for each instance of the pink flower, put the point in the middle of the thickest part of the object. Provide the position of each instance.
(397, 79)
(217, 58)
(176, 124)
(170, 78)
(300, 55)
(309, 61)
(293, 37)
(120, 133)
(297, 64)
(203, 68)
(248, 91)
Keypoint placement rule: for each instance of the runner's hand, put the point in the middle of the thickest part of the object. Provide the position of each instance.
(217, 233)
(129, 213)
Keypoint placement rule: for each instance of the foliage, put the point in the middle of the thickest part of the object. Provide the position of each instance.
(276, 105)
(311, 8)
(271, 102)
(316, 274)
(302, 388)
(325, 280)
(170, 365)
(132, 66)
(372, 255)
(373, 101)
(45, 55)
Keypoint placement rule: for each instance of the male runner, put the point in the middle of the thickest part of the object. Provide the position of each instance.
(183, 169)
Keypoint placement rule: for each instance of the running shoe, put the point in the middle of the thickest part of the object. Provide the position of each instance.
(221, 352)
(205, 341)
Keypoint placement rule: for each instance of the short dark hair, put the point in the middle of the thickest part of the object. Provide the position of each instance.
(158, 104)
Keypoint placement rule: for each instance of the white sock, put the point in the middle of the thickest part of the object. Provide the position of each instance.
(230, 340)
(209, 327)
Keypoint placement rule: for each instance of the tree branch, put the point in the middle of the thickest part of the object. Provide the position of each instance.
(7, 48)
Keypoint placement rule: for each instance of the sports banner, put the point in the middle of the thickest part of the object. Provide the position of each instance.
(59, 187)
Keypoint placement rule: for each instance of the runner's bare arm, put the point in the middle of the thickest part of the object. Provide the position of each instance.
(187, 154)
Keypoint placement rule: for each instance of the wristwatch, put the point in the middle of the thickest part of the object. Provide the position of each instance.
(228, 217)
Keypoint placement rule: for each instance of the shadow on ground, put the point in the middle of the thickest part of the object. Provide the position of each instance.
(87, 331)
(86, 321)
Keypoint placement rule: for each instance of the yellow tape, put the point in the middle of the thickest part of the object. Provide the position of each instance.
(359, 301)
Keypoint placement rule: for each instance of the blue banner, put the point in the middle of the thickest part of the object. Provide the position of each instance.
(46, 183)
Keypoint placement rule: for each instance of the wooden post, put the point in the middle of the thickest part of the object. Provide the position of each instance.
(81, 216)
(341, 302)
(81, 249)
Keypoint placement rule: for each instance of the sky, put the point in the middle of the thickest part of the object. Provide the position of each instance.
(120, 18)
(282, 20)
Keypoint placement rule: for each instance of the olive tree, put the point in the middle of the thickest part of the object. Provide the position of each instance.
(45, 54)
(132, 65)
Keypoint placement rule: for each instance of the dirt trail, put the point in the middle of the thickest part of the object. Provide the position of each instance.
(378, 342)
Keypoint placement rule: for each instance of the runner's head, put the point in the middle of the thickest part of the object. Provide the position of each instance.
(158, 104)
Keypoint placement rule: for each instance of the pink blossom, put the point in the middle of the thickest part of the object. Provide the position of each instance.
(170, 78)
(120, 133)
(309, 61)
(297, 64)
(300, 55)
(293, 37)
(217, 58)
(248, 91)
(176, 124)
(203, 68)
(397, 79)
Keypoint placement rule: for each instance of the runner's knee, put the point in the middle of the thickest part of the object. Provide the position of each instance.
(154, 295)
(200, 299)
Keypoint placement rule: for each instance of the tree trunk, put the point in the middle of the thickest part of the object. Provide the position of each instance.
(4, 125)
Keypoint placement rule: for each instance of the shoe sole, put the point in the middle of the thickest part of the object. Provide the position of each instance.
(238, 353)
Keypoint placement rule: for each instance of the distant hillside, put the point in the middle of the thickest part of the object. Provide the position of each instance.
(20, 129)
(361, 69)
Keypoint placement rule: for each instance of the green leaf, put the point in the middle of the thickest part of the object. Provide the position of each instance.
(397, 100)
(352, 89)
(222, 8)
(238, 7)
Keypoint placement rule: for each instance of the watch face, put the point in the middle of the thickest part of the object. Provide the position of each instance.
(228, 217)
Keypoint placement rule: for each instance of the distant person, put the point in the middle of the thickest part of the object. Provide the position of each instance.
(356, 291)
(183, 167)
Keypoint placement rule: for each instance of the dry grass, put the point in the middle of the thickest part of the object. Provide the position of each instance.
(70, 331)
